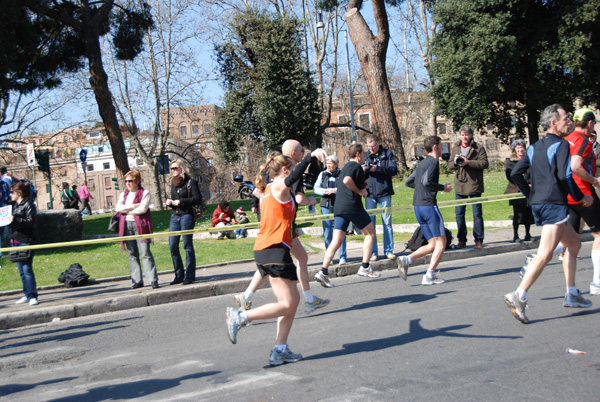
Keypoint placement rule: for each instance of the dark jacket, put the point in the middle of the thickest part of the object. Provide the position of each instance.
(380, 181)
(322, 184)
(512, 187)
(187, 193)
(468, 180)
(23, 224)
(551, 176)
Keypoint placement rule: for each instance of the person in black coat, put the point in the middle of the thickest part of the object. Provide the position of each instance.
(522, 214)
(22, 225)
(184, 194)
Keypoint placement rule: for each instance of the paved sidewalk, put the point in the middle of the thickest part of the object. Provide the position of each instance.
(115, 294)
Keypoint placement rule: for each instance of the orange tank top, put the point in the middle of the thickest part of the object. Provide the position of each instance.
(276, 219)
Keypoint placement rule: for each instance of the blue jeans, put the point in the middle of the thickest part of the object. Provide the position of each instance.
(477, 219)
(328, 234)
(183, 222)
(241, 232)
(388, 230)
(27, 276)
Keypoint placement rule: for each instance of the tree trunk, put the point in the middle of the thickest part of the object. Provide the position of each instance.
(106, 108)
(371, 51)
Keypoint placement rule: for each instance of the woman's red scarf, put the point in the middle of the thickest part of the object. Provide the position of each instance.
(143, 222)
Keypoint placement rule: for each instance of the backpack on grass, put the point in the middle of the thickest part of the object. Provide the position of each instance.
(74, 276)
(417, 240)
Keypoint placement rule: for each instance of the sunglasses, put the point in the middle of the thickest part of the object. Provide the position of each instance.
(129, 181)
(174, 168)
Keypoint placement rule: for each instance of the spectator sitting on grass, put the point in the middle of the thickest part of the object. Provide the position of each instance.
(223, 216)
(241, 219)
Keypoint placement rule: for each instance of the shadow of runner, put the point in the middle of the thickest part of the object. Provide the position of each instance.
(132, 390)
(416, 333)
(6, 390)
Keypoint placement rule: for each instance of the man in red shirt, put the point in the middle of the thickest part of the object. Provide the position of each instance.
(583, 164)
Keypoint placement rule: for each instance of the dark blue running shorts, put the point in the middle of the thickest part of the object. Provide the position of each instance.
(550, 214)
(360, 219)
(431, 221)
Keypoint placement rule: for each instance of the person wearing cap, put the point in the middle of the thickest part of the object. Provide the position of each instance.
(326, 186)
(583, 165)
(551, 180)
(241, 219)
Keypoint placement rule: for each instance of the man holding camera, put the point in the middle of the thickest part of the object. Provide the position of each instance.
(470, 160)
(380, 166)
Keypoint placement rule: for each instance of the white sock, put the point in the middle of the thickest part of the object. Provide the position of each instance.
(280, 348)
(430, 273)
(308, 296)
(559, 249)
(596, 265)
(573, 290)
(248, 295)
(522, 294)
(410, 259)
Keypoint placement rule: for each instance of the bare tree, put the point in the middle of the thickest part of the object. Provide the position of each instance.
(164, 76)
(371, 51)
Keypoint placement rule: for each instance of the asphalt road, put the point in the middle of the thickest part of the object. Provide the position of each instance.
(379, 340)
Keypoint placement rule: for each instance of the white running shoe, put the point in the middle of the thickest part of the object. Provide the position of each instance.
(433, 280)
(391, 256)
(594, 289)
(403, 265)
(323, 279)
(516, 306)
(33, 301)
(373, 257)
(368, 272)
(241, 302)
(22, 300)
(342, 261)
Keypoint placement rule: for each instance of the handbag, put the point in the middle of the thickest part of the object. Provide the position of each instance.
(19, 256)
(113, 224)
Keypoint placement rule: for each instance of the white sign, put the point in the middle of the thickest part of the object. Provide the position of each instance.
(5, 214)
(30, 155)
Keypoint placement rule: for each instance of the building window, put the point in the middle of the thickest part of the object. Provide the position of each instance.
(107, 183)
(89, 167)
(364, 120)
(48, 189)
(441, 128)
(91, 184)
(139, 162)
(195, 130)
(207, 130)
(109, 201)
(183, 131)
(65, 138)
(100, 149)
(106, 166)
(209, 145)
(197, 164)
(199, 179)
(209, 162)
(343, 118)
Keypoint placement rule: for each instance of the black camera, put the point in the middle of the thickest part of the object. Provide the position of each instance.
(446, 156)
(459, 160)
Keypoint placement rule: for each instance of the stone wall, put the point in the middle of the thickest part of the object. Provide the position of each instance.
(58, 225)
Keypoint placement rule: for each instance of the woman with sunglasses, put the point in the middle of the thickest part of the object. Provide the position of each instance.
(184, 194)
(135, 219)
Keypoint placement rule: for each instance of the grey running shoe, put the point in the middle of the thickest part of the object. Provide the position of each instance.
(241, 302)
(323, 279)
(368, 272)
(528, 259)
(434, 279)
(317, 303)
(516, 306)
(234, 323)
(576, 301)
(403, 266)
(287, 356)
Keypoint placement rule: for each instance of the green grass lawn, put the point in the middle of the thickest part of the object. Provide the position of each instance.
(107, 260)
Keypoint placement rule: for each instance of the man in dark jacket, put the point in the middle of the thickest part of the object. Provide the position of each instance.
(380, 166)
(470, 160)
(551, 181)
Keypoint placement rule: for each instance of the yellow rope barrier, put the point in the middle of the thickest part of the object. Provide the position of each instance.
(254, 225)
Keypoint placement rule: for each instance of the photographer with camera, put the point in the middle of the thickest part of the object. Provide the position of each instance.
(380, 166)
(470, 160)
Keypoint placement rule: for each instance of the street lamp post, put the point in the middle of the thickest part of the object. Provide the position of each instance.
(350, 89)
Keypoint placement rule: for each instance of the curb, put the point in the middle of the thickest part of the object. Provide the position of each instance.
(209, 289)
